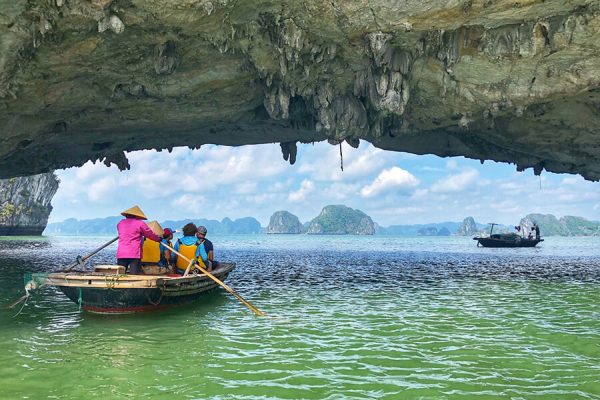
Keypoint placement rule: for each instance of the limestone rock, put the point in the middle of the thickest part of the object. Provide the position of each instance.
(25, 203)
(341, 220)
(495, 80)
(468, 227)
(284, 222)
(563, 226)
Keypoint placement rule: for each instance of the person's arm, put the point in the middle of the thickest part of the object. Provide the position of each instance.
(149, 233)
(176, 248)
(164, 252)
(209, 252)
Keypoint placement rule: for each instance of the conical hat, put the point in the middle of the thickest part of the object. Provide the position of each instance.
(134, 211)
(156, 228)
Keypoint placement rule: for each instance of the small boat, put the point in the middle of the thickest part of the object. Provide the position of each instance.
(508, 239)
(108, 290)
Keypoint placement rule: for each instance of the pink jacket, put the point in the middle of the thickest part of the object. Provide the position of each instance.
(131, 232)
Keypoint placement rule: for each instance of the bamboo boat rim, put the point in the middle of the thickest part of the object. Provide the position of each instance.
(115, 280)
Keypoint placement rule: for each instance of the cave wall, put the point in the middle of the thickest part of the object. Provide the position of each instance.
(487, 79)
(25, 204)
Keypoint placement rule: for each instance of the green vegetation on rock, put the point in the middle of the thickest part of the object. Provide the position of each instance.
(284, 222)
(341, 220)
(565, 226)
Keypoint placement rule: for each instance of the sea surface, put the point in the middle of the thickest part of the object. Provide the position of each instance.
(351, 317)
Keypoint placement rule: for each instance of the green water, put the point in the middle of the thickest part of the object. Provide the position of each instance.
(346, 324)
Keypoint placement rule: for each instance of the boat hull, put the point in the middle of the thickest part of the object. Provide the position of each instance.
(120, 294)
(521, 242)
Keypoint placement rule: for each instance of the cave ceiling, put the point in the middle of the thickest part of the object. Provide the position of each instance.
(511, 81)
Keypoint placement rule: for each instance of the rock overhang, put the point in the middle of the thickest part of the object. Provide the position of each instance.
(491, 79)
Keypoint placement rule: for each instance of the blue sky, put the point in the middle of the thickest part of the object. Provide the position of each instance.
(393, 188)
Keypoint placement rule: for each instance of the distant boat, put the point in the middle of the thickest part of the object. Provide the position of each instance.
(508, 239)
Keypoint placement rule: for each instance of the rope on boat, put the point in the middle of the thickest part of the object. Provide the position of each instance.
(111, 281)
(155, 303)
(23, 306)
(80, 300)
(29, 288)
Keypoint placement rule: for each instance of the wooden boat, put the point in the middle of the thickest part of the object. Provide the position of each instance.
(108, 290)
(507, 240)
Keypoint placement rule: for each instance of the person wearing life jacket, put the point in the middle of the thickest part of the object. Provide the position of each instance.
(166, 257)
(204, 253)
(132, 229)
(187, 246)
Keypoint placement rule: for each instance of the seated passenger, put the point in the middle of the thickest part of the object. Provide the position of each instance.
(204, 253)
(166, 257)
(187, 246)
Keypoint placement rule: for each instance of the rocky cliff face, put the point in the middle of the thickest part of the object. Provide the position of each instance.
(487, 79)
(284, 222)
(25, 204)
(468, 227)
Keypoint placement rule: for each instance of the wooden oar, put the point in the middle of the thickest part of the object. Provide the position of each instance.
(81, 260)
(220, 282)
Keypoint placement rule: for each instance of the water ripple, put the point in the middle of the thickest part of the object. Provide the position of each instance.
(349, 323)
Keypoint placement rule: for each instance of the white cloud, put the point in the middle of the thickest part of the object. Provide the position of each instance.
(246, 187)
(451, 164)
(322, 163)
(189, 204)
(220, 181)
(306, 188)
(510, 187)
(340, 192)
(571, 180)
(403, 210)
(456, 183)
(390, 179)
(102, 189)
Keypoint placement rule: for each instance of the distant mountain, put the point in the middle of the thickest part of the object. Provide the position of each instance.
(446, 228)
(565, 226)
(108, 226)
(433, 231)
(341, 220)
(284, 222)
(72, 226)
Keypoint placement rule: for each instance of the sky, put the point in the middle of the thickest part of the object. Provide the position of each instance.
(393, 188)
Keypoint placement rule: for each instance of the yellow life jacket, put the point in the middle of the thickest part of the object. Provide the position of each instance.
(150, 251)
(189, 252)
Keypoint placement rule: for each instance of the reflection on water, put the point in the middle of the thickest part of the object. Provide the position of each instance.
(354, 317)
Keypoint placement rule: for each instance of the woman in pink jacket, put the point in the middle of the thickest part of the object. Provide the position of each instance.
(131, 232)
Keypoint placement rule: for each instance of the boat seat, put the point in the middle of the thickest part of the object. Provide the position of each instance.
(110, 269)
(153, 269)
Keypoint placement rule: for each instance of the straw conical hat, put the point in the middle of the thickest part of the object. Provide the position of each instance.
(135, 211)
(156, 228)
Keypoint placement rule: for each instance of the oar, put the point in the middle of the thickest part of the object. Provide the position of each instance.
(220, 282)
(81, 260)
